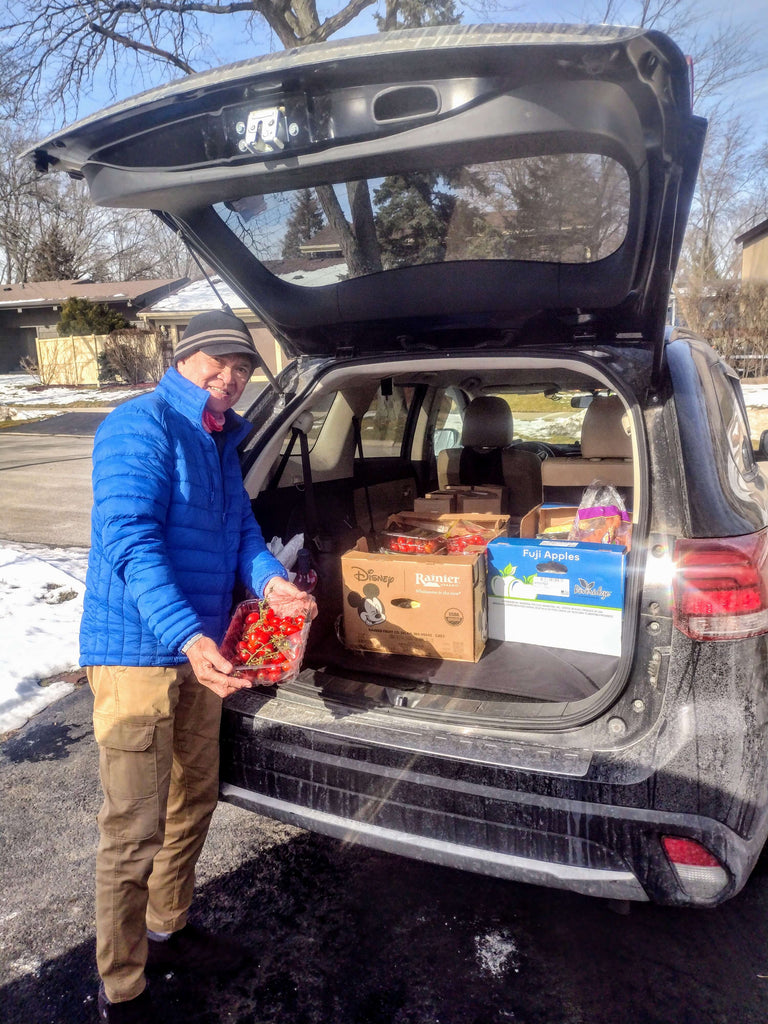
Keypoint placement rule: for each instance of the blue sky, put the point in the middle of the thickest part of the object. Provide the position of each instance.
(228, 44)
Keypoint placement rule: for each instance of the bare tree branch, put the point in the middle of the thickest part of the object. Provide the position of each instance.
(132, 44)
(62, 45)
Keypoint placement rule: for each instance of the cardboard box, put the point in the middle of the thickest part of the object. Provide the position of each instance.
(430, 607)
(479, 501)
(487, 498)
(556, 593)
(542, 517)
(435, 502)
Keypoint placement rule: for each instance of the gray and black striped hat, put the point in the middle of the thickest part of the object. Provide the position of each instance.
(219, 333)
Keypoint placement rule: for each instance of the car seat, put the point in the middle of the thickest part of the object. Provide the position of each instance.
(489, 455)
(606, 455)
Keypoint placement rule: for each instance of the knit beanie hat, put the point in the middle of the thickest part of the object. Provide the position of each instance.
(219, 333)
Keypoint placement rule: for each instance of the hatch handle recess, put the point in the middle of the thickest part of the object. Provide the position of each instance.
(405, 102)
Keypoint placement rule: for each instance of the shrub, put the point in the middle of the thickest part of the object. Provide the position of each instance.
(81, 316)
(132, 356)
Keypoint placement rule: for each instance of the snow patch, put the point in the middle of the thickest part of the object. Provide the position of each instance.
(496, 953)
(41, 602)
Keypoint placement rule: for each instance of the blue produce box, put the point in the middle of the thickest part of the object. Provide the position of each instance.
(556, 593)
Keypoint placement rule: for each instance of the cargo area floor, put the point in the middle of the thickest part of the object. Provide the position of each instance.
(510, 669)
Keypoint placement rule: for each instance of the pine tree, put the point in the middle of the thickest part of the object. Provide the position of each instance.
(412, 218)
(53, 259)
(81, 316)
(417, 14)
(305, 221)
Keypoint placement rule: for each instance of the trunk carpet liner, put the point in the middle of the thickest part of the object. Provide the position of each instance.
(514, 669)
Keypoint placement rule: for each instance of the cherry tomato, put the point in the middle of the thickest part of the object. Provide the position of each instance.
(257, 633)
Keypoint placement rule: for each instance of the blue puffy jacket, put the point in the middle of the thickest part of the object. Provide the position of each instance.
(171, 529)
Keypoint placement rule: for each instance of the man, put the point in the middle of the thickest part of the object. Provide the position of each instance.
(172, 530)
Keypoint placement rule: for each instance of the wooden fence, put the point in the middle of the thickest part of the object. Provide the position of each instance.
(74, 360)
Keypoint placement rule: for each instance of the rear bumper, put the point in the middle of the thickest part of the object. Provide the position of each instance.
(615, 884)
(316, 769)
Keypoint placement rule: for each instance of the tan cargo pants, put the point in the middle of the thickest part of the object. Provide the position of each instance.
(158, 736)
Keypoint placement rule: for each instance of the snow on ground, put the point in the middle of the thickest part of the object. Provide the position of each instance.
(22, 399)
(41, 601)
(755, 395)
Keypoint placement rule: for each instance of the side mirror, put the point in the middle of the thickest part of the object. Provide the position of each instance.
(762, 449)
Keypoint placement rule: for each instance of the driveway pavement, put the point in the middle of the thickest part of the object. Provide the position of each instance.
(340, 934)
(45, 480)
(45, 476)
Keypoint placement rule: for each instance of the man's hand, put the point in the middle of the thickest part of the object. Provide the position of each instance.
(286, 599)
(212, 668)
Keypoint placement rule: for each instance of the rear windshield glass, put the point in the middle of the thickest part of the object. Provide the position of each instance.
(566, 208)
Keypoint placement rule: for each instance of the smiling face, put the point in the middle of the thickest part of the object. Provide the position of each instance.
(223, 377)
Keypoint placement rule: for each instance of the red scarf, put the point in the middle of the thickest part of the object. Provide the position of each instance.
(212, 422)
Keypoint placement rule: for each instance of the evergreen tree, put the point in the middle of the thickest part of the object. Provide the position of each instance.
(417, 14)
(305, 221)
(81, 316)
(412, 218)
(427, 217)
(53, 259)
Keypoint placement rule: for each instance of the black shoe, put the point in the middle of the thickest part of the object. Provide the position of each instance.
(133, 1011)
(193, 948)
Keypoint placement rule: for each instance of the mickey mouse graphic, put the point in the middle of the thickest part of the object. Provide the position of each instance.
(368, 604)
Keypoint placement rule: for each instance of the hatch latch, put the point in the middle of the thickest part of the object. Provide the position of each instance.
(260, 131)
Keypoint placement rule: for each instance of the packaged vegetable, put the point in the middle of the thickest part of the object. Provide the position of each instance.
(263, 646)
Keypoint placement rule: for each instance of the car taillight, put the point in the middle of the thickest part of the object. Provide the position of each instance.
(721, 587)
(699, 872)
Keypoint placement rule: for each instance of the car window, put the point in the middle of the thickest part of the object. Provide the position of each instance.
(446, 432)
(557, 208)
(550, 418)
(735, 420)
(382, 427)
(319, 409)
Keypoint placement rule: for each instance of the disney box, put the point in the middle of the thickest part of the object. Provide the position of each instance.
(556, 593)
(429, 606)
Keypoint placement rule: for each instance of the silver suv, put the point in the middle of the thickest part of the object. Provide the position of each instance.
(464, 239)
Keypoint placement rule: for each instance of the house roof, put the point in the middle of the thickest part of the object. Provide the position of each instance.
(195, 297)
(54, 293)
(198, 296)
(754, 234)
(326, 240)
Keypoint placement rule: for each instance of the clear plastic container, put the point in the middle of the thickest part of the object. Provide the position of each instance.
(277, 650)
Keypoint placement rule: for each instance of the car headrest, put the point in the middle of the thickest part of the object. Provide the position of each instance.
(605, 432)
(488, 423)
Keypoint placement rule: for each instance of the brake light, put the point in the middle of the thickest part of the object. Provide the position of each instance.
(688, 852)
(721, 587)
(699, 872)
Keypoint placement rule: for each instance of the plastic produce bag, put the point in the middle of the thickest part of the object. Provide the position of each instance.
(602, 517)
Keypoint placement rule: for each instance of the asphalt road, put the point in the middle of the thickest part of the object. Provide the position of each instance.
(45, 480)
(344, 935)
(45, 476)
